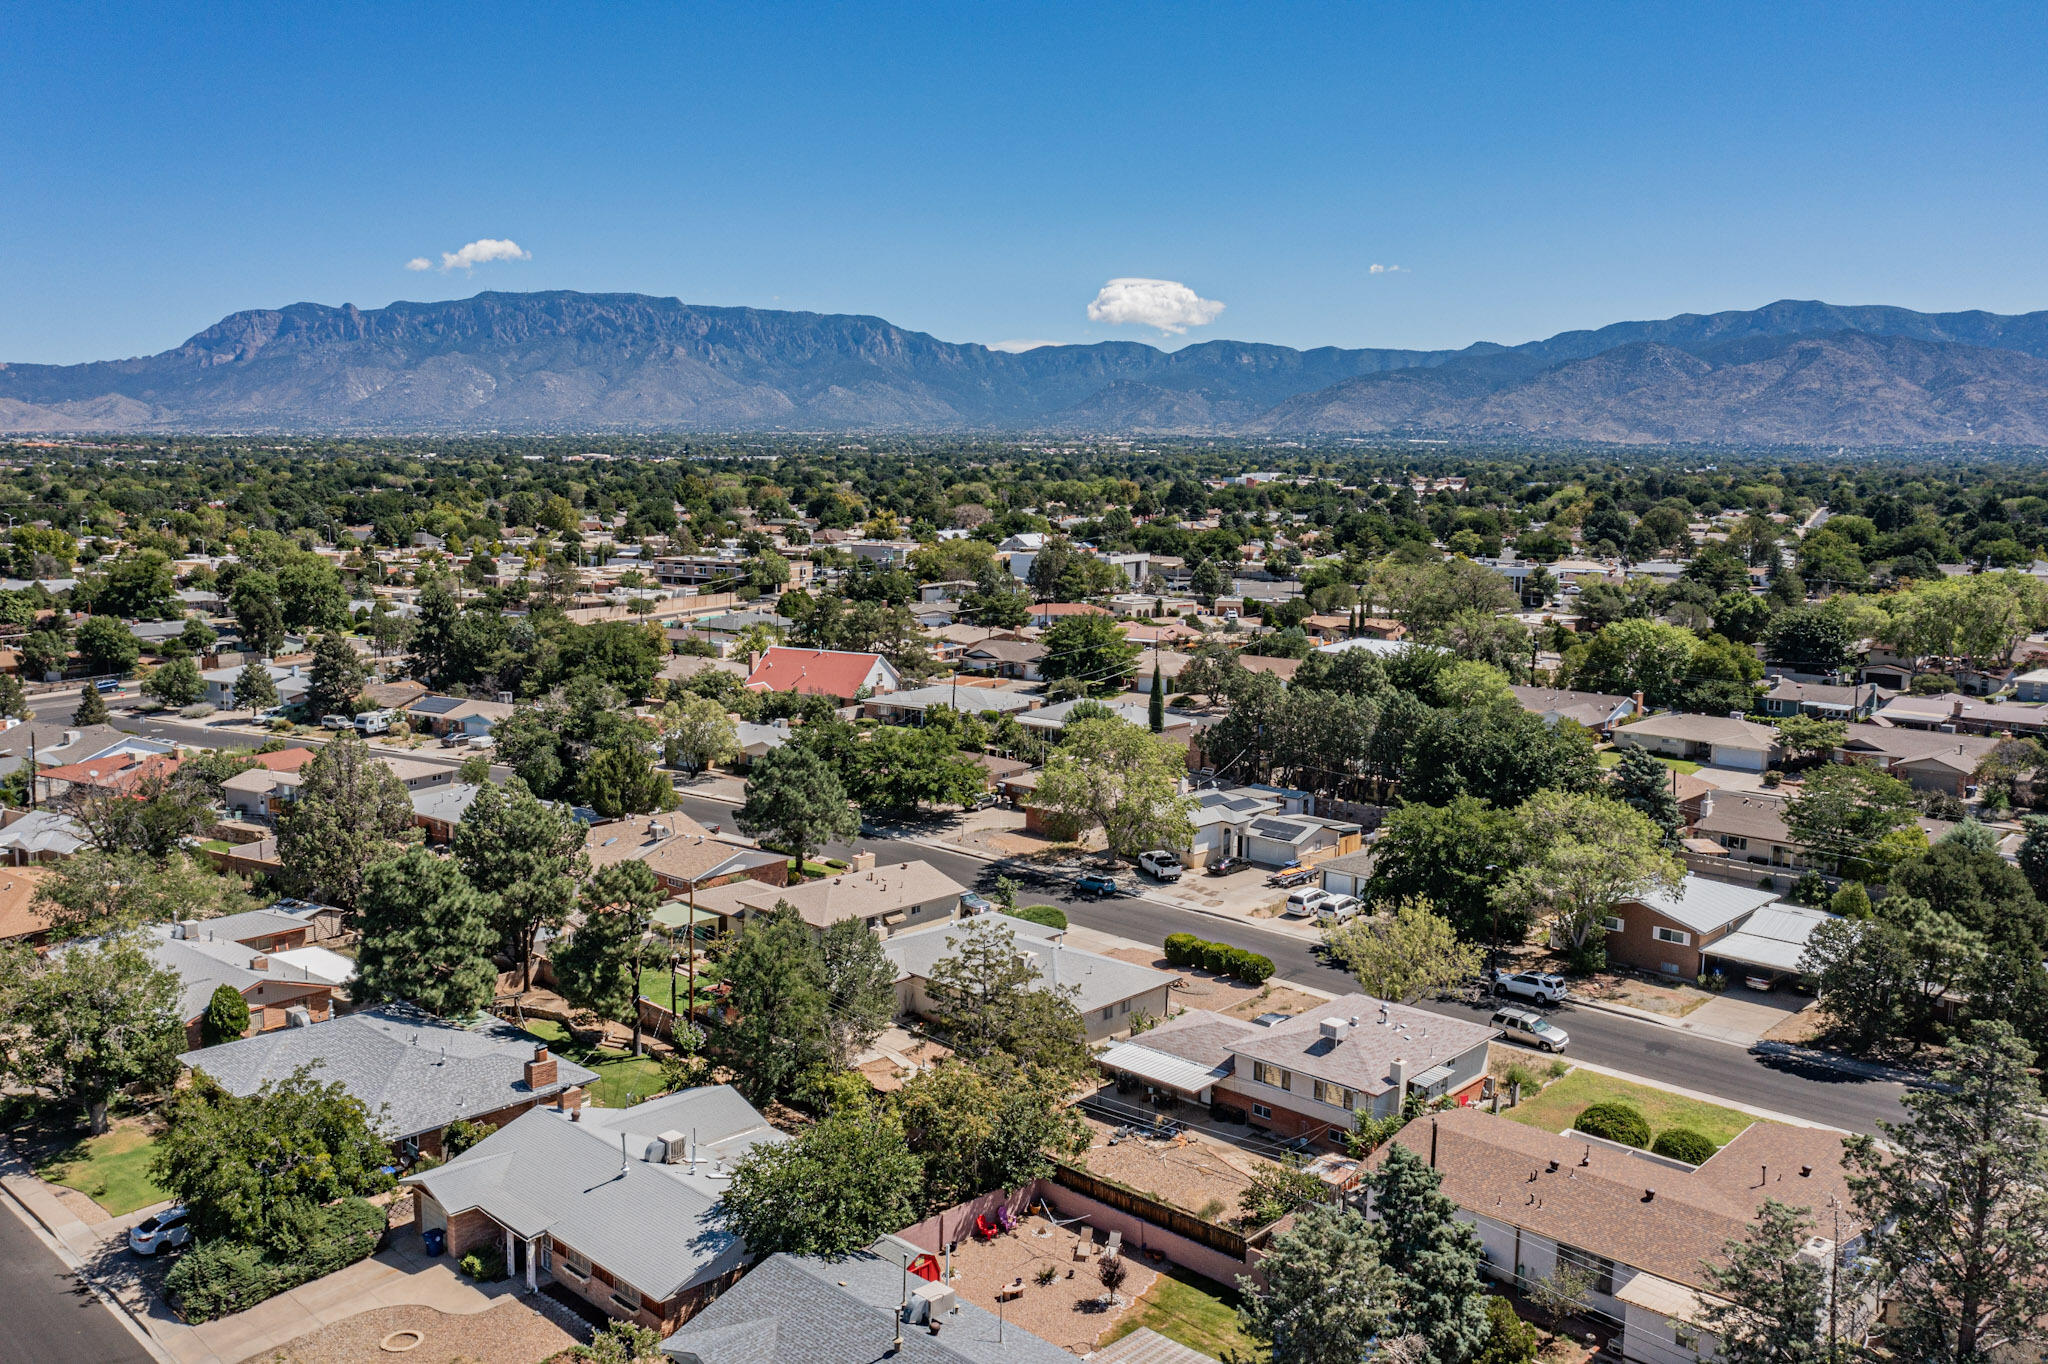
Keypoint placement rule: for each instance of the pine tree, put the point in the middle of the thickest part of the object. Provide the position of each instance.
(426, 937)
(1434, 1258)
(599, 968)
(1768, 1297)
(2033, 855)
(1644, 784)
(1327, 1295)
(1155, 714)
(338, 677)
(92, 707)
(777, 974)
(523, 852)
(254, 688)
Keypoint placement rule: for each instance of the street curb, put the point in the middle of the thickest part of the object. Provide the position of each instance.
(48, 1236)
(1862, 1070)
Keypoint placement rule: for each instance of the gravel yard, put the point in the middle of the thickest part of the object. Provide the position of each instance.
(522, 1332)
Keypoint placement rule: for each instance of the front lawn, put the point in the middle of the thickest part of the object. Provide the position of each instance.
(1611, 757)
(1198, 1313)
(623, 1079)
(112, 1169)
(1555, 1109)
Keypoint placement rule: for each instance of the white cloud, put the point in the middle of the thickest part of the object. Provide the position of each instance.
(1163, 303)
(474, 254)
(1019, 347)
(1377, 269)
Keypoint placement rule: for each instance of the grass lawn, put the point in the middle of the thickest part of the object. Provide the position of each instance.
(622, 1078)
(1194, 1311)
(1554, 1109)
(654, 984)
(1611, 757)
(112, 1170)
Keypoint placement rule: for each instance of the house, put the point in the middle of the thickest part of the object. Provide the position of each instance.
(1926, 760)
(1107, 992)
(909, 707)
(29, 836)
(20, 920)
(276, 985)
(1596, 711)
(1348, 875)
(1045, 615)
(52, 743)
(1717, 740)
(1642, 1226)
(1147, 1346)
(618, 1206)
(889, 899)
(117, 774)
(683, 667)
(290, 680)
(398, 695)
(824, 672)
(1675, 935)
(2031, 686)
(445, 715)
(683, 855)
(756, 740)
(1822, 700)
(792, 1309)
(1961, 715)
(1266, 825)
(414, 1072)
(1018, 659)
(1751, 830)
(438, 809)
(1384, 648)
(1313, 1075)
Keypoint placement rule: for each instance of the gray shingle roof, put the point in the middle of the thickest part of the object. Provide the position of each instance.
(799, 1310)
(1099, 980)
(1360, 1057)
(421, 1072)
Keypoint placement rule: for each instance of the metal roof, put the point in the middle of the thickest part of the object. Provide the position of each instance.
(1133, 1058)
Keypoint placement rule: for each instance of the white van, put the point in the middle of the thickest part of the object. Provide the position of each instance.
(1306, 901)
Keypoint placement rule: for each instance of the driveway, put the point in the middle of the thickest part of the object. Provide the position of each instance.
(1742, 1015)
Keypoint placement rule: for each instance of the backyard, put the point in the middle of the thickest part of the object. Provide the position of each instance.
(1194, 1311)
(112, 1169)
(622, 1078)
(1561, 1102)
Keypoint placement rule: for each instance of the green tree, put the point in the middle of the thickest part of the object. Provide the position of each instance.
(310, 595)
(1509, 1339)
(351, 811)
(1405, 954)
(106, 890)
(1637, 656)
(619, 778)
(979, 1129)
(525, 854)
(1811, 638)
(621, 1342)
(105, 645)
(842, 1183)
(176, 683)
(860, 985)
(1582, 855)
(258, 617)
(1805, 737)
(1211, 579)
(1435, 1258)
(697, 733)
(1856, 820)
(992, 1002)
(426, 937)
(1277, 1190)
(1645, 786)
(254, 688)
(13, 699)
(89, 1021)
(1453, 857)
(1091, 649)
(1957, 1198)
(1155, 705)
(1768, 1295)
(777, 976)
(2033, 854)
(795, 800)
(140, 588)
(338, 677)
(1327, 1297)
(92, 707)
(226, 1017)
(1979, 890)
(599, 969)
(44, 651)
(1123, 778)
(259, 1168)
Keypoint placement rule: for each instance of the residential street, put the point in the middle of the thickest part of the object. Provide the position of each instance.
(1817, 1093)
(51, 1318)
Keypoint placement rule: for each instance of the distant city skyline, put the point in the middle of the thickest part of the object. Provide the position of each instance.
(1307, 175)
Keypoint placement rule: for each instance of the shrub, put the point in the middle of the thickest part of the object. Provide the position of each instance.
(1257, 970)
(1616, 1121)
(1519, 1074)
(346, 1232)
(1509, 1339)
(486, 1264)
(1185, 949)
(1052, 916)
(1180, 948)
(1683, 1143)
(1216, 957)
(620, 1342)
(460, 1135)
(219, 1277)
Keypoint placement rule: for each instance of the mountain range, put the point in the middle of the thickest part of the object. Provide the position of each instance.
(1791, 373)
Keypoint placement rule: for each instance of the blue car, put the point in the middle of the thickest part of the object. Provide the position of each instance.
(1092, 884)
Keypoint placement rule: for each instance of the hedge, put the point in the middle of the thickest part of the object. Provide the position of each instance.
(1686, 1144)
(1615, 1121)
(1185, 949)
(217, 1278)
(1052, 916)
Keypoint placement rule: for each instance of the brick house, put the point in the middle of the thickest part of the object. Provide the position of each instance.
(619, 1206)
(1671, 934)
(275, 982)
(683, 855)
(1106, 992)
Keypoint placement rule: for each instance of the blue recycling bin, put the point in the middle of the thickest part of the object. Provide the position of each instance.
(436, 1239)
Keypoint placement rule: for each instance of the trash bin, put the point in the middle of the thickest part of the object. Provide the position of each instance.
(436, 1239)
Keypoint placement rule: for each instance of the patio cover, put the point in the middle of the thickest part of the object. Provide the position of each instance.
(1162, 1069)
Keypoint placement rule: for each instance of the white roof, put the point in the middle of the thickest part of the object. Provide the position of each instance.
(1162, 1069)
(1703, 905)
(319, 964)
(1774, 937)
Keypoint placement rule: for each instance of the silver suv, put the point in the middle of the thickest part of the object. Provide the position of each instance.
(1523, 1025)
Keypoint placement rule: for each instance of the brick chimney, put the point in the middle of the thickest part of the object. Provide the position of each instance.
(572, 1099)
(540, 1071)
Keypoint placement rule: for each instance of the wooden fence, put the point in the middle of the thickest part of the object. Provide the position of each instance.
(1163, 1215)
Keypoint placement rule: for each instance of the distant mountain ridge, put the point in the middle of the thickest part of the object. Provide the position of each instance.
(1788, 373)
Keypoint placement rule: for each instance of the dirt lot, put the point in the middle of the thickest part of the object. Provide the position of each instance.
(523, 1332)
(1220, 994)
(1204, 1177)
(1072, 1310)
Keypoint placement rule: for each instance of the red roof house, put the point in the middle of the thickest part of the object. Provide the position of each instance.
(824, 672)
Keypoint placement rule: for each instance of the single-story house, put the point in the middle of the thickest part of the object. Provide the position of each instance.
(1107, 992)
(1822, 700)
(2031, 685)
(414, 1072)
(891, 898)
(1751, 829)
(278, 986)
(1963, 715)
(618, 1206)
(1045, 615)
(824, 672)
(683, 854)
(51, 743)
(1717, 740)
(396, 695)
(438, 809)
(1926, 760)
(28, 836)
(792, 1309)
(1642, 1226)
(757, 740)
(1266, 825)
(445, 715)
(1315, 1074)
(909, 707)
(1596, 711)
(1674, 934)
(116, 774)
(290, 679)
(1019, 659)
(20, 920)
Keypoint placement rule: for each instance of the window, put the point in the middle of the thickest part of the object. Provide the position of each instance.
(1108, 1013)
(1734, 841)
(1261, 1111)
(1269, 1075)
(571, 1262)
(1124, 1007)
(1338, 1134)
(1336, 1095)
(628, 1298)
(1671, 935)
(1599, 1266)
(1612, 923)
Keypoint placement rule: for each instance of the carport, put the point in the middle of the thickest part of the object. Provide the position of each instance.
(1189, 1079)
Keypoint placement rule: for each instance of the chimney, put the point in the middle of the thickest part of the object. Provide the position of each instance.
(540, 1071)
(1955, 708)
(571, 1100)
(1397, 1072)
(862, 861)
(1706, 804)
(259, 962)
(1638, 698)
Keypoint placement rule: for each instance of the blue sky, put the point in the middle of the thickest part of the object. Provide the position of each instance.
(981, 171)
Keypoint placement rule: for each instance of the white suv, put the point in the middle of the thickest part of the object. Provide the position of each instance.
(1306, 901)
(1541, 986)
(1160, 865)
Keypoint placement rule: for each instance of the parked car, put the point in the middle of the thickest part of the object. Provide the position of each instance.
(1160, 864)
(1339, 910)
(1306, 901)
(1223, 866)
(164, 1231)
(970, 903)
(337, 722)
(1526, 1026)
(1093, 883)
(106, 684)
(1541, 986)
(1292, 876)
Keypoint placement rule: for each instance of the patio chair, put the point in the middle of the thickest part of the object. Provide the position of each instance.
(1115, 1246)
(984, 1228)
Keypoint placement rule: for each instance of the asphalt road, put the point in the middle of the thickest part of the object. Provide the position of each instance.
(1782, 1084)
(52, 1318)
